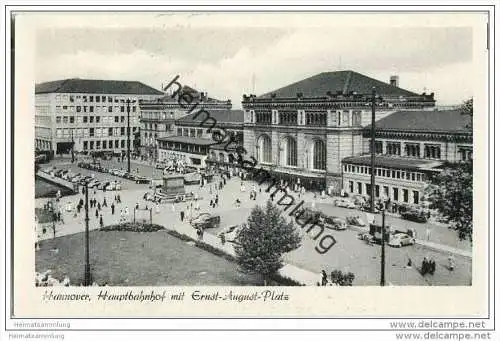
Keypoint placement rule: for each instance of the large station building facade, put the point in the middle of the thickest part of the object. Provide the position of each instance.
(301, 133)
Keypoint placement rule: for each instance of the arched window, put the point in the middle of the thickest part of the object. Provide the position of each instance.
(291, 151)
(319, 155)
(264, 149)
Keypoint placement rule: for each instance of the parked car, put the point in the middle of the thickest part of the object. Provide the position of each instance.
(231, 232)
(355, 220)
(206, 220)
(93, 183)
(141, 180)
(343, 202)
(103, 185)
(414, 215)
(401, 239)
(334, 223)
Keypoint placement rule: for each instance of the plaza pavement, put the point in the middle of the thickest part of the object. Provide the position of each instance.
(351, 253)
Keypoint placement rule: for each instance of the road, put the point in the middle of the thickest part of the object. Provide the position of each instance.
(348, 254)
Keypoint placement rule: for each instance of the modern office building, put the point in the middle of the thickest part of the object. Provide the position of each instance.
(158, 116)
(301, 133)
(410, 146)
(92, 114)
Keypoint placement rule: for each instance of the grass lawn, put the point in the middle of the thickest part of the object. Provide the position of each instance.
(137, 259)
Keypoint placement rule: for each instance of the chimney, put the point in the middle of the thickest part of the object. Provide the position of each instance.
(394, 81)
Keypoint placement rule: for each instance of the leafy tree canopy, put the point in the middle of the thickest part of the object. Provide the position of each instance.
(263, 240)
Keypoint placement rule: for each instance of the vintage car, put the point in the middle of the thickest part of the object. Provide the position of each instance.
(343, 202)
(205, 221)
(401, 239)
(334, 223)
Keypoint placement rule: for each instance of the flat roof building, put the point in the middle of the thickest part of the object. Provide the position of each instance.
(87, 115)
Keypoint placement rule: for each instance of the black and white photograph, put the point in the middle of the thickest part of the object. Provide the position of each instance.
(253, 156)
(173, 163)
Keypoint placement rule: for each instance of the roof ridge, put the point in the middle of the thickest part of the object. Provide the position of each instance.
(347, 82)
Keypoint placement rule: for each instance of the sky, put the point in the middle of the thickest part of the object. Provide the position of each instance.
(228, 58)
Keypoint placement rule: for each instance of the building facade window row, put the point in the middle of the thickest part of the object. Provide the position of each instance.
(386, 172)
(393, 193)
(89, 145)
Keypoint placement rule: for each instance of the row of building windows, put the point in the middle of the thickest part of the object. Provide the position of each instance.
(92, 119)
(289, 148)
(191, 132)
(431, 151)
(184, 147)
(311, 118)
(357, 188)
(158, 127)
(384, 172)
(91, 109)
(92, 99)
(157, 115)
(91, 132)
(91, 145)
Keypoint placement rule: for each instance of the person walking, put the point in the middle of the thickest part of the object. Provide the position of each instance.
(104, 203)
(324, 278)
(112, 208)
(428, 233)
(182, 216)
(99, 206)
(97, 213)
(101, 223)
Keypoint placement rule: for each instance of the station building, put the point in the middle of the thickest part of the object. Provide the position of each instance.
(194, 144)
(158, 117)
(410, 147)
(88, 115)
(301, 133)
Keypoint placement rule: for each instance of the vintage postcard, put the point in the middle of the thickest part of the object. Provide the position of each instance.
(251, 164)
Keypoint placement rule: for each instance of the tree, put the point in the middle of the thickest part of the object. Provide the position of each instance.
(263, 240)
(451, 194)
(467, 108)
(342, 279)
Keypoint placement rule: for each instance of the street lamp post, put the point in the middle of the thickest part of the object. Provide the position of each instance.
(72, 147)
(372, 183)
(86, 281)
(128, 135)
(382, 253)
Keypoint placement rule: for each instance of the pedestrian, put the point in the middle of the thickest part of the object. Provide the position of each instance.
(211, 203)
(182, 216)
(428, 233)
(216, 203)
(99, 206)
(104, 203)
(324, 278)
(409, 264)
(97, 213)
(101, 223)
(119, 198)
(223, 238)
(432, 266)
(59, 216)
(115, 198)
(112, 208)
(451, 263)
(137, 206)
(425, 266)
